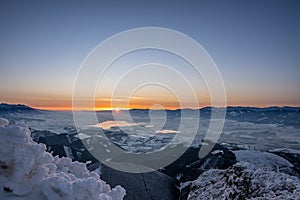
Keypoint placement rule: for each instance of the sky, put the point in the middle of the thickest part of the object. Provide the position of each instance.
(255, 44)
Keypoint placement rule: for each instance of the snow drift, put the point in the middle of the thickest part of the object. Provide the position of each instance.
(27, 171)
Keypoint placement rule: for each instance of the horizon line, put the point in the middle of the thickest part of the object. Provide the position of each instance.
(148, 108)
(168, 109)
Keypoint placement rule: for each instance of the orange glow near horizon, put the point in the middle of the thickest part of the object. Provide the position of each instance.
(140, 107)
(106, 105)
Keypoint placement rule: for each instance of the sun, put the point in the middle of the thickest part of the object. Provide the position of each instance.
(117, 109)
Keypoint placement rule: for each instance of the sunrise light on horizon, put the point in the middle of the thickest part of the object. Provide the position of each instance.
(256, 53)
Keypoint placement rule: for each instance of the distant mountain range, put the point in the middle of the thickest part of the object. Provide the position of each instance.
(15, 107)
(240, 108)
(285, 116)
(288, 116)
(22, 107)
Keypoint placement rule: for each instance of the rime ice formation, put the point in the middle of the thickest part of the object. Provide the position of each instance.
(245, 181)
(27, 171)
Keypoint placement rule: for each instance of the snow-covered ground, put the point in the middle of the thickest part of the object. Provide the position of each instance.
(286, 150)
(255, 135)
(263, 160)
(244, 181)
(256, 175)
(27, 171)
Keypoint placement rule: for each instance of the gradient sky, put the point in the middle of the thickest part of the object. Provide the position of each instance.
(255, 44)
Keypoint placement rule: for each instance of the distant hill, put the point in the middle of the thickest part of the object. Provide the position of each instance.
(16, 108)
(288, 116)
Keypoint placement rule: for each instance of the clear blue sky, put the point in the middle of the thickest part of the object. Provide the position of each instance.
(255, 44)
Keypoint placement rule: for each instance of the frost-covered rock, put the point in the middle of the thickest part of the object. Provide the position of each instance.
(245, 181)
(27, 171)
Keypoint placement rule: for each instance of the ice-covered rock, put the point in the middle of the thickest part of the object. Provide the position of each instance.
(244, 181)
(27, 171)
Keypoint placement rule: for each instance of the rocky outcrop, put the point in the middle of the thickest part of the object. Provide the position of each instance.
(244, 181)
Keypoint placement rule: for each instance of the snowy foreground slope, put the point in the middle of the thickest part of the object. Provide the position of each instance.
(256, 176)
(27, 171)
